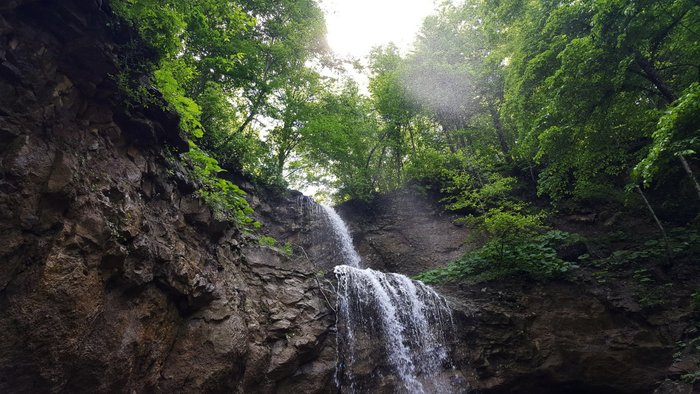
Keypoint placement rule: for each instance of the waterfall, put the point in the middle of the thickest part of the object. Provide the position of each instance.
(392, 331)
(342, 234)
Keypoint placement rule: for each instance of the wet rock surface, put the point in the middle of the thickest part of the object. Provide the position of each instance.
(552, 338)
(113, 277)
(405, 231)
(519, 336)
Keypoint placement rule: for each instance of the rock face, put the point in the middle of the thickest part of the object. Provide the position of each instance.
(307, 227)
(516, 336)
(554, 338)
(113, 277)
(404, 231)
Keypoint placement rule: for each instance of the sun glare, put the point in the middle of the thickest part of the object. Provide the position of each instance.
(355, 26)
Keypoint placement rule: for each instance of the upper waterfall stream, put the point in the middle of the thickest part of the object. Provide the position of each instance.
(342, 234)
(392, 331)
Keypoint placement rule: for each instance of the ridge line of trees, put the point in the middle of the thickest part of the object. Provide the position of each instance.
(578, 100)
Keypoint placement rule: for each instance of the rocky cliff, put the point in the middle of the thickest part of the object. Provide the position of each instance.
(406, 231)
(113, 276)
(574, 335)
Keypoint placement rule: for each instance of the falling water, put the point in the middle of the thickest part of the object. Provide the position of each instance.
(390, 328)
(340, 230)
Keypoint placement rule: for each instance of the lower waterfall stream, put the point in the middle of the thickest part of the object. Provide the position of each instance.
(392, 331)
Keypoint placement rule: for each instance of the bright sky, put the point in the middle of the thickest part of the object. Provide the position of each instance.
(355, 26)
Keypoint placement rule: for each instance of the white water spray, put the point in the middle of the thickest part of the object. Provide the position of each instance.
(341, 232)
(400, 324)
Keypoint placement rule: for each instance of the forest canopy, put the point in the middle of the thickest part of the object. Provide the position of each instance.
(578, 101)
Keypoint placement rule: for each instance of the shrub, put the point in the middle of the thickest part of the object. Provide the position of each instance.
(532, 256)
(226, 199)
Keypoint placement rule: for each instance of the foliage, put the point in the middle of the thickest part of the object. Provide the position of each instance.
(455, 73)
(587, 81)
(475, 191)
(498, 99)
(242, 151)
(217, 64)
(695, 300)
(136, 94)
(216, 54)
(677, 134)
(338, 145)
(265, 240)
(507, 225)
(174, 94)
(633, 256)
(497, 96)
(688, 349)
(158, 23)
(647, 292)
(272, 243)
(226, 199)
(684, 243)
(575, 100)
(531, 256)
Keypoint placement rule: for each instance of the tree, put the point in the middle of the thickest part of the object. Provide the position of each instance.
(677, 136)
(395, 106)
(297, 99)
(586, 83)
(456, 74)
(338, 144)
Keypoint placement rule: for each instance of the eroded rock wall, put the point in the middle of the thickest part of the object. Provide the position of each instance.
(405, 231)
(553, 338)
(113, 277)
(520, 336)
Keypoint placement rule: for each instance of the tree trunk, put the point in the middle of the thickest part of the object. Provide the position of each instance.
(670, 96)
(259, 99)
(532, 174)
(669, 254)
(650, 73)
(413, 142)
(500, 132)
(687, 169)
(253, 112)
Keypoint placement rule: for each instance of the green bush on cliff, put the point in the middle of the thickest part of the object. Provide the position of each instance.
(518, 243)
(226, 199)
(533, 256)
(168, 27)
(285, 249)
(190, 112)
